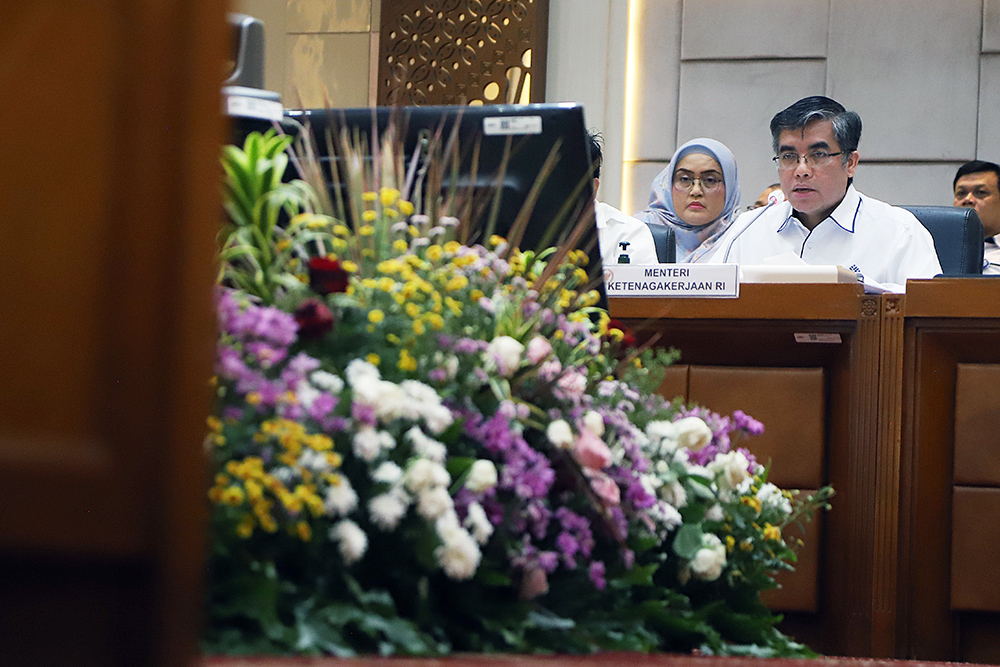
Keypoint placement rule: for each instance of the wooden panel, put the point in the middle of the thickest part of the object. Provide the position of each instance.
(799, 589)
(975, 533)
(110, 206)
(675, 382)
(977, 416)
(454, 52)
(790, 402)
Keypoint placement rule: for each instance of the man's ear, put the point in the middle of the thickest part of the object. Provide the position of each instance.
(852, 164)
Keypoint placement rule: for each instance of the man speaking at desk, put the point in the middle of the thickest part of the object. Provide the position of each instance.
(823, 219)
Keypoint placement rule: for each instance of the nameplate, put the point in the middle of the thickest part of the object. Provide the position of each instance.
(672, 280)
(253, 107)
(500, 125)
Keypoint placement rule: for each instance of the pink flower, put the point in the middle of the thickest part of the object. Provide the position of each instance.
(534, 583)
(571, 385)
(538, 349)
(591, 452)
(604, 487)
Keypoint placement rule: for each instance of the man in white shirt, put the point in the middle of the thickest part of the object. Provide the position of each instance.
(618, 234)
(976, 186)
(823, 219)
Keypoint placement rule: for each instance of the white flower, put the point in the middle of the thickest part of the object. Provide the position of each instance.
(538, 349)
(771, 496)
(666, 515)
(391, 402)
(715, 513)
(386, 510)
(385, 440)
(425, 446)
(478, 523)
(359, 370)
(662, 438)
(674, 494)
(420, 392)
(434, 502)
(328, 381)
(437, 418)
(366, 443)
(340, 498)
(367, 389)
(730, 469)
(504, 354)
(594, 423)
(709, 560)
(693, 433)
(424, 473)
(560, 434)
(459, 556)
(387, 473)
(352, 540)
(701, 471)
(306, 394)
(482, 476)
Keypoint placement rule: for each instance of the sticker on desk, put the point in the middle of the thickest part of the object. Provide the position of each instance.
(817, 338)
(501, 125)
(672, 280)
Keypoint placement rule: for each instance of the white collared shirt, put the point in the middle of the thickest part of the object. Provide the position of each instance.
(991, 257)
(614, 228)
(885, 244)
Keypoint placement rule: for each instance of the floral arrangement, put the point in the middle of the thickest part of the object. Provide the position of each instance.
(424, 446)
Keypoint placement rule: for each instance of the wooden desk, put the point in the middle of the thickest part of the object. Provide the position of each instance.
(856, 590)
(949, 593)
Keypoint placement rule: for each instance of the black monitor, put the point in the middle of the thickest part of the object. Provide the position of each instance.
(533, 130)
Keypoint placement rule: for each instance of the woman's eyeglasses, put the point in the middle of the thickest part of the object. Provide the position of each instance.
(708, 182)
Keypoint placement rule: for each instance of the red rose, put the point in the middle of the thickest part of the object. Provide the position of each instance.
(314, 319)
(327, 276)
(628, 340)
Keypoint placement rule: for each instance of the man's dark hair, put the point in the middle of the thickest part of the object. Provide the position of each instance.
(596, 154)
(846, 124)
(976, 167)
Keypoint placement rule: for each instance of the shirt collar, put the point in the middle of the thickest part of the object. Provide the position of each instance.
(845, 215)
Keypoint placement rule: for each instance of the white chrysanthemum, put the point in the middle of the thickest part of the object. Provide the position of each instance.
(730, 470)
(425, 446)
(306, 394)
(594, 423)
(560, 434)
(359, 370)
(701, 471)
(674, 494)
(340, 498)
(351, 539)
(693, 433)
(420, 392)
(423, 473)
(478, 523)
(366, 444)
(315, 461)
(386, 510)
(385, 440)
(393, 403)
(438, 418)
(482, 476)
(666, 515)
(709, 560)
(368, 389)
(771, 496)
(503, 354)
(715, 513)
(387, 473)
(459, 556)
(328, 381)
(434, 502)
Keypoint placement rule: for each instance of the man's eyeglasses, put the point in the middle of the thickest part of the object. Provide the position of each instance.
(708, 182)
(812, 158)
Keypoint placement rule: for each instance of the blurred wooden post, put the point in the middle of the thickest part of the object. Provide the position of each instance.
(108, 212)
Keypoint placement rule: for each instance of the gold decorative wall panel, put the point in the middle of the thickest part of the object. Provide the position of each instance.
(462, 51)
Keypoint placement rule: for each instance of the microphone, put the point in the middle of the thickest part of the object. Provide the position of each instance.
(773, 199)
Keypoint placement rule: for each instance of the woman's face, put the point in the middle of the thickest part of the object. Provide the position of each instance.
(703, 203)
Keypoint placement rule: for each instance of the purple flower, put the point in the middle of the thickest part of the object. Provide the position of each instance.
(596, 574)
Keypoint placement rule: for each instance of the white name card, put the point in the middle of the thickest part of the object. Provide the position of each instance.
(254, 107)
(500, 125)
(672, 280)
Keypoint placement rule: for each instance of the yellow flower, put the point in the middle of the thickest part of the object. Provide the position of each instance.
(367, 230)
(375, 316)
(233, 496)
(388, 196)
(412, 310)
(616, 335)
(349, 266)
(303, 531)
(283, 244)
(496, 240)
(368, 197)
(746, 545)
(752, 502)
(391, 212)
(254, 398)
(454, 306)
(245, 527)
(434, 252)
(405, 207)
(341, 230)
(373, 359)
(476, 294)
(418, 327)
(772, 532)
(386, 284)
(338, 244)
(730, 543)
(407, 362)
(456, 283)
(215, 424)
(392, 338)
(435, 320)
(399, 245)
(452, 247)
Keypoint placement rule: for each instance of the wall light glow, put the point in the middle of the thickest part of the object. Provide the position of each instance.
(631, 100)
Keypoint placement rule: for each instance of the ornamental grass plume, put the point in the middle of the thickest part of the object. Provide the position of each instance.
(424, 444)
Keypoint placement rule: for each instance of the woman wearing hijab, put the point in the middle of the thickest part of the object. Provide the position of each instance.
(697, 194)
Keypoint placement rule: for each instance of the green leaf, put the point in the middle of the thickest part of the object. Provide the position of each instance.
(688, 540)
